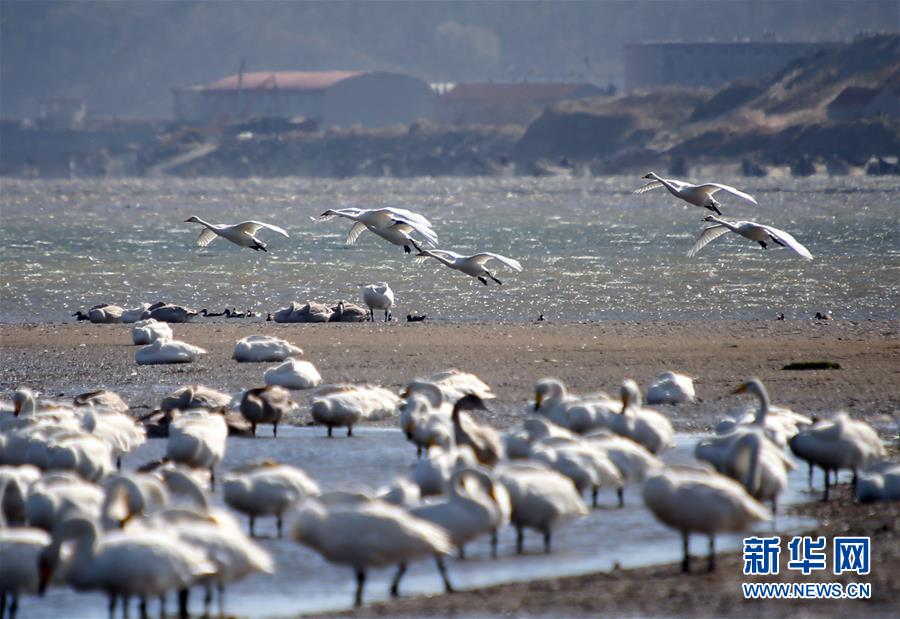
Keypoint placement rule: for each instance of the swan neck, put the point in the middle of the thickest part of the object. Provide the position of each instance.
(764, 404)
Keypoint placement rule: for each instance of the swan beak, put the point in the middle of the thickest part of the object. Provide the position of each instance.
(409, 429)
(624, 401)
(45, 571)
(405, 393)
(17, 408)
(538, 398)
(741, 389)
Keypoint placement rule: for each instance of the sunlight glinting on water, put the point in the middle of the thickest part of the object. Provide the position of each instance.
(590, 249)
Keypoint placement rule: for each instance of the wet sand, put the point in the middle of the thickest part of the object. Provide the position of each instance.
(66, 359)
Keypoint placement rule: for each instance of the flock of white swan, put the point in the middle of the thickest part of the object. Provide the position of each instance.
(71, 517)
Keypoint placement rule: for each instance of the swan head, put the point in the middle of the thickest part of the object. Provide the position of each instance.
(193, 219)
(469, 402)
(754, 386)
(650, 176)
(547, 389)
(630, 394)
(23, 400)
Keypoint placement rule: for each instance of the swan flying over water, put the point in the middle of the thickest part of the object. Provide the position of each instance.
(698, 195)
(243, 233)
(470, 265)
(394, 225)
(750, 230)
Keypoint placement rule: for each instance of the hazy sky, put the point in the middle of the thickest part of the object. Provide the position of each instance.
(125, 57)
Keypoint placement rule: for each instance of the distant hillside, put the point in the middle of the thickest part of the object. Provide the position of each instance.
(782, 119)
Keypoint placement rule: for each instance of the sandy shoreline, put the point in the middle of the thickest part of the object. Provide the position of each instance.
(66, 359)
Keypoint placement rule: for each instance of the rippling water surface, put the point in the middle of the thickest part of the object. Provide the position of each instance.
(591, 249)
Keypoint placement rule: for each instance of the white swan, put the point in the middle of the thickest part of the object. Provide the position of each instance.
(541, 499)
(518, 443)
(259, 348)
(168, 351)
(167, 312)
(577, 414)
(473, 265)
(143, 563)
(646, 426)
(135, 314)
(102, 399)
(16, 483)
(671, 388)
(633, 460)
(839, 443)
(266, 489)
(119, 431)
(266, 405)
(432, 473)
(216, 532)
(454, 384)
(60, 495)
(698, 195)
(750, 230)
(778, 423)
(394, 225)
(242, 234)
(20, 550)
(700, 501)
(588, 467)
(197, 439)
(343, 406)
(476, 505)
(368, 534)
(378, 296)
(148, 331)
(294, 374)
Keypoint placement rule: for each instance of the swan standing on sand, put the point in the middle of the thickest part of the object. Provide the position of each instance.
(369, 534)
(266, 405)
(470, 265)
(242, 234)
(702, 501)
(698, 195)
(392, 224)
(266, 489)
(378, 296)
(750, 230)
(168, 351)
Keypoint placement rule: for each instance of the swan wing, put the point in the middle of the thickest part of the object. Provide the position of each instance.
(403, 214)
(707, 236)
(712, 188)
(424, 230)
(251, 227)
(483, 257)
(788, 241)
(354, 233)
(206, 237)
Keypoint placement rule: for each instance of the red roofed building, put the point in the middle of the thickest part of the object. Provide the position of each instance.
(855, 102)
(331, 98)
(502, 104)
